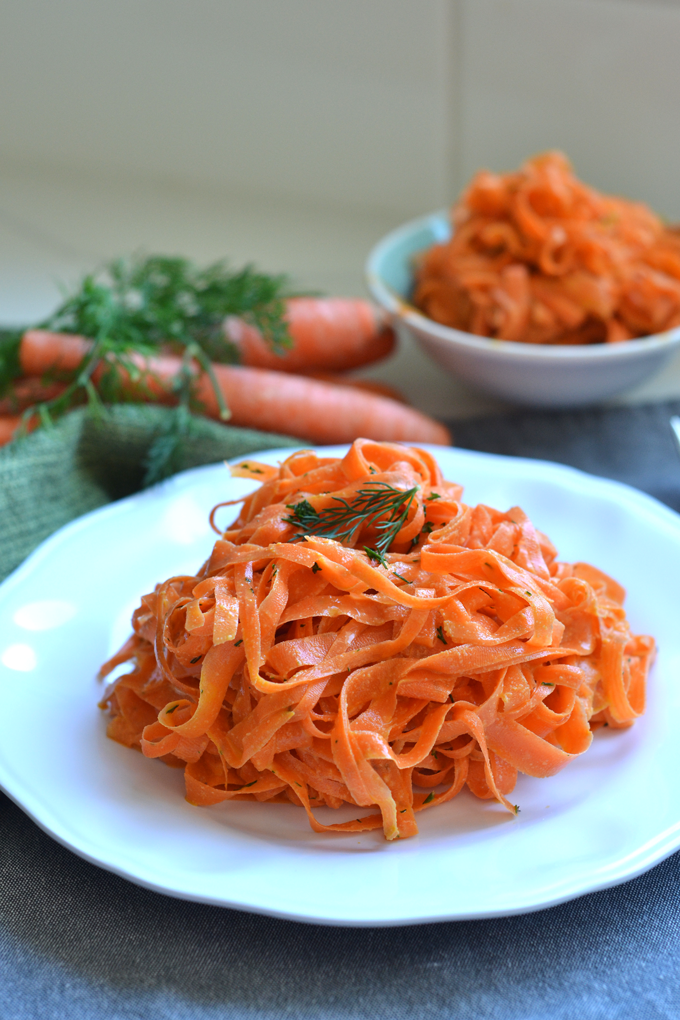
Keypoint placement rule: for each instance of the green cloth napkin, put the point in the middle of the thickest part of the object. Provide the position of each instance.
(57, 474)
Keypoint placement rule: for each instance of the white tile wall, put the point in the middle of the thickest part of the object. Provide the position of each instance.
(340, 101)
(56, 225)
(380, 104)
(597, 78)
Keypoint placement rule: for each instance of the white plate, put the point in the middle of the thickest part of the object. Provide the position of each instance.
(607, 817)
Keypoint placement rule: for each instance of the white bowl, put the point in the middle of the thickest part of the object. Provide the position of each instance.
(533, 374)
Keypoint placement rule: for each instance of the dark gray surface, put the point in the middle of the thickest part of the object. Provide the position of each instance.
(631, 444)
(77, 942)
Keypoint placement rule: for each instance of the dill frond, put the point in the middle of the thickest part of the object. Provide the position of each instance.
(378, 504)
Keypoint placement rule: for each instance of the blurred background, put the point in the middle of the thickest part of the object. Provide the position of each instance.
(294, 133)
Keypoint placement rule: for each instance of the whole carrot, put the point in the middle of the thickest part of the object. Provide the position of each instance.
(44, 351)
(26, 392)
(329, 334)
(382, 389)
(315, 411)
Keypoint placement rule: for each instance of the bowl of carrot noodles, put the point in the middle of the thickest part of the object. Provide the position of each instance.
(536, 287)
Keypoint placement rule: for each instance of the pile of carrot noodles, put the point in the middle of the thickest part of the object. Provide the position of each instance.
(537, 256)
(334, 670)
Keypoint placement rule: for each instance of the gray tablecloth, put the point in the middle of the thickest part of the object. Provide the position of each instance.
(77, 942)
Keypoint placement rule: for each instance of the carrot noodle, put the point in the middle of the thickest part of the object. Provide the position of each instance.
(539, 257)
(436, 646)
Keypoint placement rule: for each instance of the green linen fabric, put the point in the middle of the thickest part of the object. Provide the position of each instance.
(54, 475)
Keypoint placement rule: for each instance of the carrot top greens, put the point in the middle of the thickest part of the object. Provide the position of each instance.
(141, 305)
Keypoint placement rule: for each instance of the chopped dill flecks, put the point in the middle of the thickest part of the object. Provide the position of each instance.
(429, 798)
(315, 567)
(440, 634)
(375, 556)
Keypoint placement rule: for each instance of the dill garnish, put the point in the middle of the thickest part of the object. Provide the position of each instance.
(378, 504)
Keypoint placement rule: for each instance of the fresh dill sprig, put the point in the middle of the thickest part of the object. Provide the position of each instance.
(10, 368)
(379, 504)
(146, 306)
(375, 556)
(142, 304)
